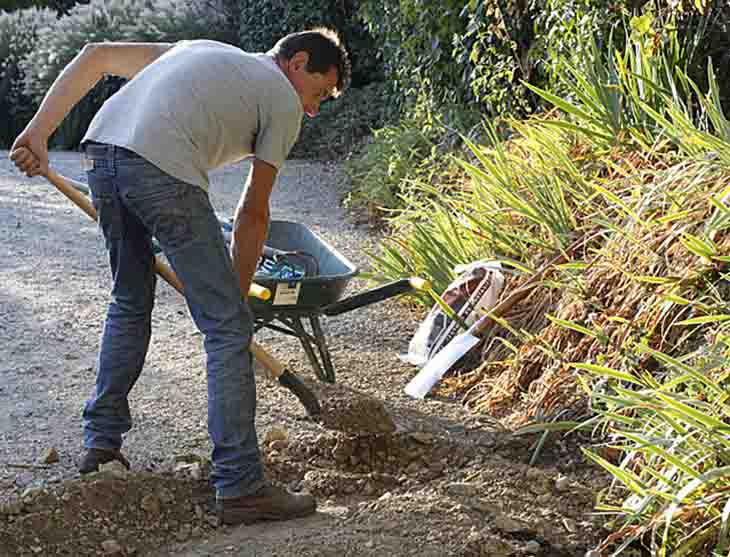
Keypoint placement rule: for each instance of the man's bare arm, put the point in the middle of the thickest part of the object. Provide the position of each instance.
(251, 221)
(91, 64)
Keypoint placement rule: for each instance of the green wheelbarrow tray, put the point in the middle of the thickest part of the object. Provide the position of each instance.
(292, 303)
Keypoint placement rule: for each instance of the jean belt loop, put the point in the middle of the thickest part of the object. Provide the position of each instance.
(112, 159)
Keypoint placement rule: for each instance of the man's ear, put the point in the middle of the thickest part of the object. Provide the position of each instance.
(299, 60)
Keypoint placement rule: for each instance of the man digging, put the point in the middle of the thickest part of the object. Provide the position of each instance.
(188, 108)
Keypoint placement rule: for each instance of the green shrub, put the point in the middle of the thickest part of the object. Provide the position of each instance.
(416, 43)
(18, 35)
(57, 46)
(392, 154)
(172, 20)
(483, 51)
(14, 5)
(60, 6)
(412, 151)
(459, 52)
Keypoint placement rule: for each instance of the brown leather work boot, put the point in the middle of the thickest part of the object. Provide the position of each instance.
(94, 457)
(268, 503)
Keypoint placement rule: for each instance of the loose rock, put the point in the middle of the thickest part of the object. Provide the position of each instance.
(276, 434)
(49, 456)
(115, 469)
(111, 548)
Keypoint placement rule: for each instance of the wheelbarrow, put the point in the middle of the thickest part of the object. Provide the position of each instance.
(305, 300)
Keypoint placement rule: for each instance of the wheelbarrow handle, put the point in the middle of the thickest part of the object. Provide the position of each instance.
(420, 284)
(378, 294)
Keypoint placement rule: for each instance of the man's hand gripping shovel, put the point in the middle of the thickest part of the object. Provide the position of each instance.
(76, 192)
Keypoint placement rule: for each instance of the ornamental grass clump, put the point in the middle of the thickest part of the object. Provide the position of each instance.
(522, 198)
(671, 488)
(630, 286)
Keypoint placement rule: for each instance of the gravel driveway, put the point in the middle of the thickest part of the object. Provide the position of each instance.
(414, 493)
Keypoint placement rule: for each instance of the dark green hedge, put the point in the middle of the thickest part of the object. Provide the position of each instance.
(478, 53)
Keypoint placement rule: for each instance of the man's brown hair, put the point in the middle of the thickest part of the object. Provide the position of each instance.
(325, 50)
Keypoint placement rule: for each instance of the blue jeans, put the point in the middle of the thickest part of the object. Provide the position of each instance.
(135, 201)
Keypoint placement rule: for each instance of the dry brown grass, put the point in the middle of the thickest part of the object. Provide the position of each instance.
(536, 380)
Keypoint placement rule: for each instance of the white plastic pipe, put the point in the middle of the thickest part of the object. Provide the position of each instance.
(437, 366)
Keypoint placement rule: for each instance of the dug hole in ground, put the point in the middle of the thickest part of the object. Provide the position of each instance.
(444, 482)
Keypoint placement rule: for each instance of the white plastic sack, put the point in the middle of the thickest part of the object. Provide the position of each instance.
(475, 290)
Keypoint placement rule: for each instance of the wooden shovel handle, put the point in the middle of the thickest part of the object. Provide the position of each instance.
(66, 187)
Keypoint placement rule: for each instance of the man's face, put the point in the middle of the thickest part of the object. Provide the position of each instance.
(313, 88)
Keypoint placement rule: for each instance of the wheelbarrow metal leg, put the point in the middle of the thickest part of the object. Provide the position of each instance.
(329, 370)
(306, 341)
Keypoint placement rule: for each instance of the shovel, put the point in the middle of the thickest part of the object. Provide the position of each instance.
(277, 371)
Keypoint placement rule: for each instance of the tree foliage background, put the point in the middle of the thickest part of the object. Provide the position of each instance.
(468, 56)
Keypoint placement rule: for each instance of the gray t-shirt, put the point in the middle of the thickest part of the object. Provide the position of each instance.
(201, 105)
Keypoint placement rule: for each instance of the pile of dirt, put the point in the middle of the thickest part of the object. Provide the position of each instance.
(343, 409)
(467, 498)
(109, 513)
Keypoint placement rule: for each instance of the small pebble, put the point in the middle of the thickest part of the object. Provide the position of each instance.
(49, 456)
(111, 547)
